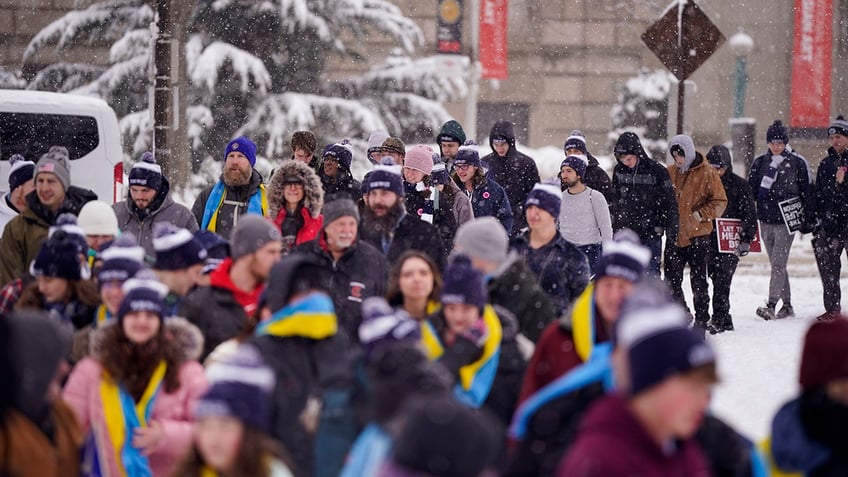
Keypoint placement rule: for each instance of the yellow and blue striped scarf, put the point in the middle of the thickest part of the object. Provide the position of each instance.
(475, 379)
(257, 204)
(310, 317)
(123, 416)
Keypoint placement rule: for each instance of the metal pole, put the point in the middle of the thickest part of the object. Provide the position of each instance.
(681, 90)
(741, 82)
(470, 125)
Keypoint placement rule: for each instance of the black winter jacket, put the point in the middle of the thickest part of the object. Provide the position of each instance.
(361, 272)
(228, 215)
(793, 180)
(516, 173)
(216, 313)
(643, 200)
(831, 199)
(411, 233)
(740, 204)
(514, 287)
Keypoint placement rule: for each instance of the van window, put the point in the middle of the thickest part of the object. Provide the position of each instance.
(32, 134)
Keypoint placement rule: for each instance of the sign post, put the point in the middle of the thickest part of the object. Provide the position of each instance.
(683, 38)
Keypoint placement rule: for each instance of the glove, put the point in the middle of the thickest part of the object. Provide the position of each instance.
(743, 249)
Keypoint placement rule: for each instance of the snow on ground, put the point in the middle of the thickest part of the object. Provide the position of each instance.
(758, 362)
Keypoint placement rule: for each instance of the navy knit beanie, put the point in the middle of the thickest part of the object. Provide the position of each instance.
(144, 292)
(777, 132)
(20, 171)
(243, 145)
(176, 248)
(146, 172)
(463, 284)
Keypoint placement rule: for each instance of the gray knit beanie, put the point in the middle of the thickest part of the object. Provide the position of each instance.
(484, 238)
(339, 208)
(251, 233)
(55, 161)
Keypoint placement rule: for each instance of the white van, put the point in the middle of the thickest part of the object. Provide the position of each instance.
(32, 121)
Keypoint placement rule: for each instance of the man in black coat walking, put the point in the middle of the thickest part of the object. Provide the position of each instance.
(515, 172)
(722, 266)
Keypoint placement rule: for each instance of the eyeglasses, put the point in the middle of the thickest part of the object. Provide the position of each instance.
(462, 167)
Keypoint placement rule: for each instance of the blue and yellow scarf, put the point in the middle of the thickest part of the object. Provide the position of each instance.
(475, 379)
(312, 317)
(123, 415)
(257, 204)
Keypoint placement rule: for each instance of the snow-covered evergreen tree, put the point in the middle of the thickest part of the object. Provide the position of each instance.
(643, 109)
(257, 67)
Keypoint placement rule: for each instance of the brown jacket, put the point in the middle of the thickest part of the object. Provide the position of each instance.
(30, 453)
(699, 189)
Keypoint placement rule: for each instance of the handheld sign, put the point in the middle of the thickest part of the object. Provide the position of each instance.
(728, 231)
(792, 211)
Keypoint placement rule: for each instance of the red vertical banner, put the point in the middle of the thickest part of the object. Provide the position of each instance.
(493, 39)
(811, 63)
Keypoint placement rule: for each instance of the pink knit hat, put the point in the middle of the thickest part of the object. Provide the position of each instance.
(419, 158)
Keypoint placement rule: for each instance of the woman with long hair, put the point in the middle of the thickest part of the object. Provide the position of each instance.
(136, 390)
(414, 284)
(295, 199)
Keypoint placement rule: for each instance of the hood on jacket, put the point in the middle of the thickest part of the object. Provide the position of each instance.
(719, 155)
(313, 191)
(503, 129)
(628, 143)
(685, 142)
(36, 346)
(183, 336)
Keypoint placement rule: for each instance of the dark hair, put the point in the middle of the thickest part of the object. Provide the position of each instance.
(394, 296)
(83, 290)
(253, 459)
(477, 179)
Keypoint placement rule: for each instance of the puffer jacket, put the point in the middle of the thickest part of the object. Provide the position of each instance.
(173, 410)
(697, 188)
(516, 173)
(229, 213)
(24, 234)
(311, 205)
(163, 209)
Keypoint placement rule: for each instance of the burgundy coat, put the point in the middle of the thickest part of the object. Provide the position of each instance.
(613, 443)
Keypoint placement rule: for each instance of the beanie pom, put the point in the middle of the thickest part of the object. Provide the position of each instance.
(838, 118)
(15, 158)
(66, 219)
(163, 229)
(148, 157)
(777, 123)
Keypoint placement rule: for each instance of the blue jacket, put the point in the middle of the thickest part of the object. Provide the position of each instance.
(490, 199)
(791, 448)
(561, 268)
(831, 199)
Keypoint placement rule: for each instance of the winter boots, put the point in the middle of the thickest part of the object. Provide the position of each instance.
(720, 325)
(766, 312)
(786, 311)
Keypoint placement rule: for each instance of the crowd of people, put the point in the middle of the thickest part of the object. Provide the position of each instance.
(447, 315)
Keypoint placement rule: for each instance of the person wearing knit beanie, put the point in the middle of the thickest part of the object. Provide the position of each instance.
(178, 260)
(831, 200)
(419, 159)
(20, 184)
(584, 218)
(562, 269)
(143, 293)
(339, 208)
(484, 239)
(146, 173)
(57, 162)
(487, 196)
(575, 143)
(251, 234)
(451, 136)
(121, 260)
(62, 255)
(335, 173)
(97, 219)
(394, 148)
(777, 132)
(217, 249)
(577, 162)
(375, 145)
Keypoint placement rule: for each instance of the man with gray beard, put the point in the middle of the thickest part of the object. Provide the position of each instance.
(358, 269)
(239, 191)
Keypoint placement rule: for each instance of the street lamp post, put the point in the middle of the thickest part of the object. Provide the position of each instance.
(743, 130)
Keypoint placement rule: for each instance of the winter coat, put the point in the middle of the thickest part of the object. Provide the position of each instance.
(444, 218)
(410, 233)
(793, 180)
(162, 209)
(831, 199)
(565, 344)
(808, 435)
(612, 442)
(27, 448)
(643, 199)
(173, 410)
(235, 204)
(360, 272)
(24, 234)
(516, 173)
(215, 311)
(304, 367)
(514, 287)
(311, 204)
(488, 198)
(700, 190)
(561, 269)
(344, 186)
(7, 211)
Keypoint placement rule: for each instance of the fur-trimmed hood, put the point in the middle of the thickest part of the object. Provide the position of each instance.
(185, 338)
(313, 192)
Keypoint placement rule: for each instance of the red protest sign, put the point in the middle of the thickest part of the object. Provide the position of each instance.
(727, 232)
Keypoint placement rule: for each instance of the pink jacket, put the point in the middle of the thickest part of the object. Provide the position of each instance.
(172, 410)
